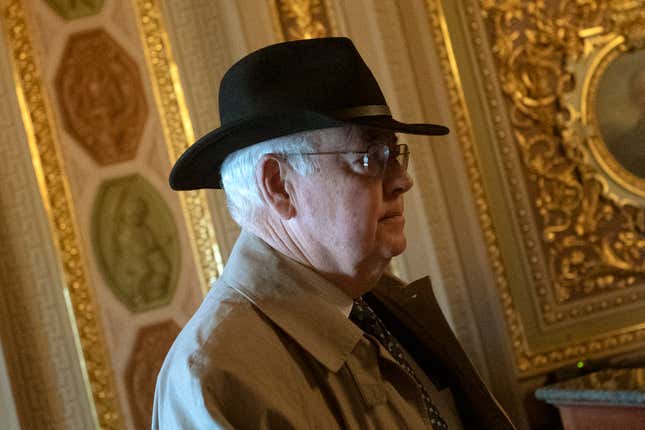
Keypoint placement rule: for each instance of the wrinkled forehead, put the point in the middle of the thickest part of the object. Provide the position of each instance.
(356, 138)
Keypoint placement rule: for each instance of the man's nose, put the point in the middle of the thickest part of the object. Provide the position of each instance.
(397, 180)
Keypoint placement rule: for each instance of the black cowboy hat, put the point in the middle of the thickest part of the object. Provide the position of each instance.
(283, 89)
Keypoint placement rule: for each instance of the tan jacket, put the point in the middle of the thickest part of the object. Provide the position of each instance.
(265, 350)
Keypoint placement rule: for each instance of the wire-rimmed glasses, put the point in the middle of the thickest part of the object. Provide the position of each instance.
(375, 160)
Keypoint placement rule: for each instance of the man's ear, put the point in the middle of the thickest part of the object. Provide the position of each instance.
(271, 179)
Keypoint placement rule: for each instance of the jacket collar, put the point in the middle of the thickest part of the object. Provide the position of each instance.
(294, 297)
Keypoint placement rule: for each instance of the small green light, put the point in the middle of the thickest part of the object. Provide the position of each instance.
(580, 364)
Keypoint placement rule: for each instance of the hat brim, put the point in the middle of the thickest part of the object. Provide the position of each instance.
(199, 166)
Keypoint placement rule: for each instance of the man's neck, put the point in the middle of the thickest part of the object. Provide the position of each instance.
(355, 282)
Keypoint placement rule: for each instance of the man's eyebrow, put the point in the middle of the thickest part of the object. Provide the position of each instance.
(380, 135)
(390, 140)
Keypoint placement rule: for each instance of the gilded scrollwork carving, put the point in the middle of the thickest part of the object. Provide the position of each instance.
(508, 25)
(302, 19)
(592, 235)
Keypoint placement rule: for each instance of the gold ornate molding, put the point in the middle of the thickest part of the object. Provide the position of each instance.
(464, 132)
(590, 237)
(592, 241)
(527, 361)
(178, 132)
(302, 19)
(43, 142)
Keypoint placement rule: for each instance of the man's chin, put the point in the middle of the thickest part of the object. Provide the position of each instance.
(395, 247)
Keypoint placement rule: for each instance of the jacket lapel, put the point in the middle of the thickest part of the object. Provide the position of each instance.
(413, 316)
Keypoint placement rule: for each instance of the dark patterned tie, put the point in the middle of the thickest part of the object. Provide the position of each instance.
(364, 317)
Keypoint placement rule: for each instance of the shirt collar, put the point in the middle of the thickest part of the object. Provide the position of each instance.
(346, 308)
(310, 309)
(339, 299)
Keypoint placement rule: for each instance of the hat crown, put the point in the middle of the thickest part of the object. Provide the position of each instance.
(320, 75)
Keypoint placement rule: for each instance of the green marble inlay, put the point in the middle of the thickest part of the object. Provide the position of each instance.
(135, 241)
(72, 9)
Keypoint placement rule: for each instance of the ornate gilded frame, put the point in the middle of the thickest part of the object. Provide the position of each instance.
(601, 48)
(302, 19)
(586, 254)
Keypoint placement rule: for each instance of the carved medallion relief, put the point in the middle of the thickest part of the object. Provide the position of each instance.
(72, 9)
(101, 97)
(150, 349)
(136, 243)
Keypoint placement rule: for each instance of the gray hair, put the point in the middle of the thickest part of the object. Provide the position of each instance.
(238, 170)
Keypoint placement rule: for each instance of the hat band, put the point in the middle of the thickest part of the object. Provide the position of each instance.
(361, 111)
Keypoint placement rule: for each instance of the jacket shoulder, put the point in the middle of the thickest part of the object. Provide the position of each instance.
(226, 332)
(229, 362)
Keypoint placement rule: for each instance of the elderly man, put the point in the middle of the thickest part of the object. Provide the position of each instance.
(304, 329)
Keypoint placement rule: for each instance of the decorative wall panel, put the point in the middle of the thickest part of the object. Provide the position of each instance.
(303, 19)
(71, 9)
(101, 97)
(107, 129)
(43, 138)
(150, 349)
(136, 243)
(202, 59)
(577, 208)
(178, 132)
(39, 347)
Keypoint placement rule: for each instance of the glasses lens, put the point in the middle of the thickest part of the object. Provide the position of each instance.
(377, 156)
(402, 155)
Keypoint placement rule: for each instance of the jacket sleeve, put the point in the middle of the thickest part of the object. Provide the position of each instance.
(182, 403)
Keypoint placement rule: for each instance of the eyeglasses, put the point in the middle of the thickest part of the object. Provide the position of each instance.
(375, 160)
